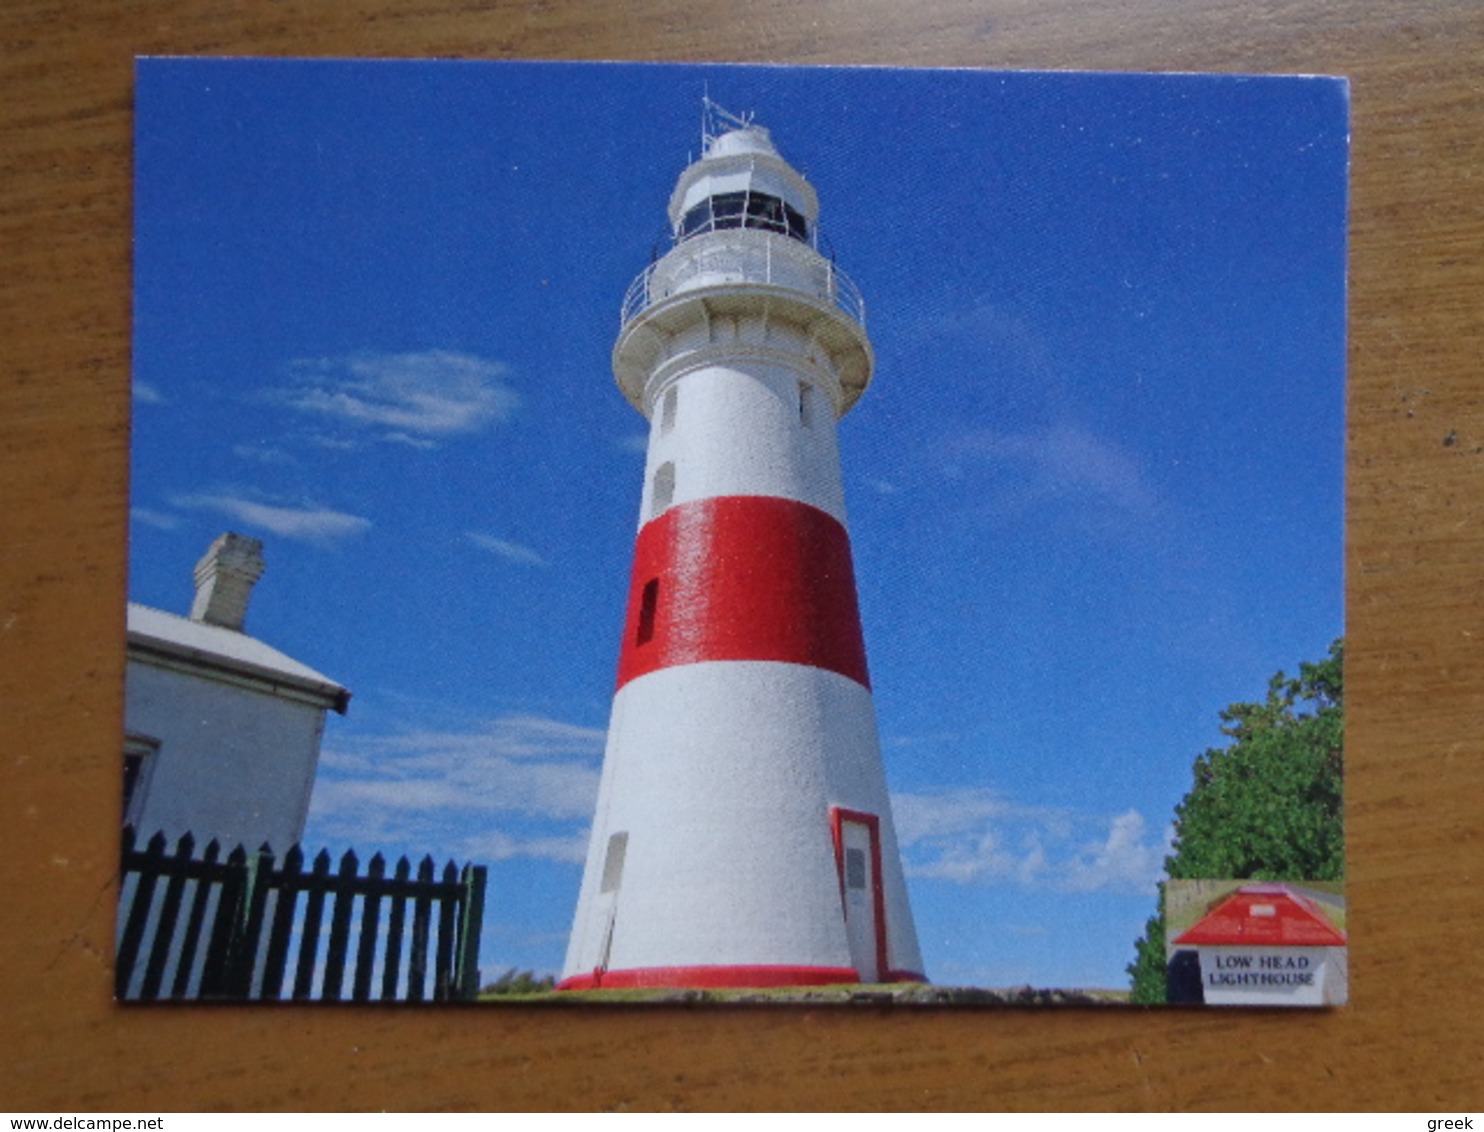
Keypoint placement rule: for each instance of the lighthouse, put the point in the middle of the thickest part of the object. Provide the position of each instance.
(743, 834)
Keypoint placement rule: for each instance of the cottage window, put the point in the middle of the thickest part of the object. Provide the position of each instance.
(139, 763)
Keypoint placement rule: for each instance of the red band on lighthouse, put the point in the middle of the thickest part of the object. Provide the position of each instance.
(743, 578)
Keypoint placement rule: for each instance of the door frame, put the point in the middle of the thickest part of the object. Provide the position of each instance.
(840, 816)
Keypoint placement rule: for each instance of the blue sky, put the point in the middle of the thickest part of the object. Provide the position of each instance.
(1095, 489)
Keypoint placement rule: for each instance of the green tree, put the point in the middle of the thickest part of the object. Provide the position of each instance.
(1147, 971)
(1268, 806)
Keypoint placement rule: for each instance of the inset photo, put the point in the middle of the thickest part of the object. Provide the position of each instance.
(1256, 943)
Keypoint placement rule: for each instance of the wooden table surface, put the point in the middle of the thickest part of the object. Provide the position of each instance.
(1411, 1038)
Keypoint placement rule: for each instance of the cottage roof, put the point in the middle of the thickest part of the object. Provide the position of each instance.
(1270, 915)
(169, 637)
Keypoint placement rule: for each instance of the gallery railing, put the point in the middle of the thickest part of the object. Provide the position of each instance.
(745, 257)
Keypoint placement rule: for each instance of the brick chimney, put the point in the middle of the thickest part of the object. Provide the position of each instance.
(224, 580)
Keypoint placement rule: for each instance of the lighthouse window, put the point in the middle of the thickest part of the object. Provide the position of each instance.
(855, 868)
(766, 212)
(745, 210)
(667, 409)
(662, 490)
(647, 605)
(728, 209)
(806, 404)
(618, 847)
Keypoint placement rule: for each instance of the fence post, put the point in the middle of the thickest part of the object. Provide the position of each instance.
(257, 879)
(144, 892)
(313, 914)
(283, 923)
(370, 920)
(159, 952)
(470, 925)
(392, 965)
(216, 979)
(417, 965)
(187, 960)
(444, 974)
(340, 926)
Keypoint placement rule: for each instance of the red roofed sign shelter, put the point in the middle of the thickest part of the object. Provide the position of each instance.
(1268, 945)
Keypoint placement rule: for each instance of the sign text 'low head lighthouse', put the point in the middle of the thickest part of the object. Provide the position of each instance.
(743, 835)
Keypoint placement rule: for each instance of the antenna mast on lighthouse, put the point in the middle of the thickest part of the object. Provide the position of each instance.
(717, 120)
(743, 833)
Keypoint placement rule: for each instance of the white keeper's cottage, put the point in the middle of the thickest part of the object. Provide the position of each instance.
(221, 731)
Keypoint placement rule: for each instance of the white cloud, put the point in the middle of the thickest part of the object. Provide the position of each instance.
(994, 332)
(514, 735)
(146, 394)
(982, 857)
(1096, 481)
(634, 442)
(497, 845)
(332, 443)
(528, 783)
(307, 524)
(1062, 465)
(511, 551)
(417, 399)
(973, 836)
(157, 519)
(1122, 860)
(419, 442)
(921, 817)
(262, 454)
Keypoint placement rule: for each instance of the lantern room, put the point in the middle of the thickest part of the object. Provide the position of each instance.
(742, 182)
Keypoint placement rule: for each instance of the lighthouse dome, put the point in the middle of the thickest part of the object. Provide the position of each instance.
(749, 139)
(743, 182)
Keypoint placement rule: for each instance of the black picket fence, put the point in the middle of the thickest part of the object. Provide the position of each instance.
(243, 933)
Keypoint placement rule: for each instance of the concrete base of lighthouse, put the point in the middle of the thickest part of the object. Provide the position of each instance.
(746, 841)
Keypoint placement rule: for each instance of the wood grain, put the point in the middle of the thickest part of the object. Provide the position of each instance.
(1416, 460)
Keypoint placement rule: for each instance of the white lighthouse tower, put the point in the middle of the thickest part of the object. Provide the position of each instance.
(743, 835)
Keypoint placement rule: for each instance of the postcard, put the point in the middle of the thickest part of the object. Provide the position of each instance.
(637, 532)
